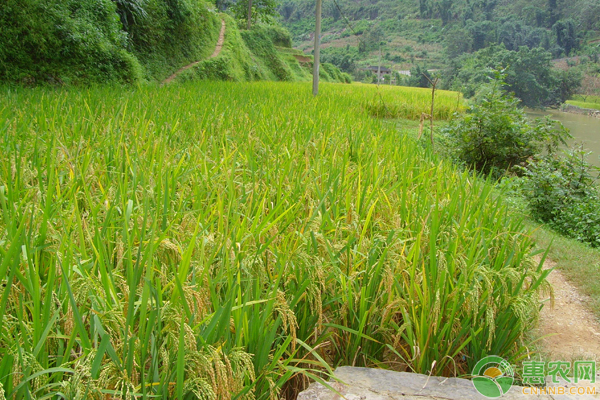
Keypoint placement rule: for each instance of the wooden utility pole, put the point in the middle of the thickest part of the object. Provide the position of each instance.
(433, 85)
(317, 48)
(379, 66)
(249, 13)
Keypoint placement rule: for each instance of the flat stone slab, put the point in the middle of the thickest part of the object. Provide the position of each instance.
(355, 383)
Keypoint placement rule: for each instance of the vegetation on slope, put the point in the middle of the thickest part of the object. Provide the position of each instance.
(171, 34)
(83, 42)
(61, 41)
(219, 240)
(252, 55)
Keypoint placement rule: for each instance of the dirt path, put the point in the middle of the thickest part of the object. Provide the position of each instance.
(213, 55)
(574, 331)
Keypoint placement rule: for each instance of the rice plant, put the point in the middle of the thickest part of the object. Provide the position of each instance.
(221, 240)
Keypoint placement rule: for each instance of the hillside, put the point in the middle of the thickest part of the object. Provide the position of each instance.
(352, 33)
(431, 33)
(127, 41)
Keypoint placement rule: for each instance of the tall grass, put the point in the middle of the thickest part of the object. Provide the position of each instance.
(220, 240)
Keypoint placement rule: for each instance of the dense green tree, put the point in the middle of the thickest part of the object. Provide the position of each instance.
(590, 14)
(445, 10)
(458, 41)
(553, 12)
(344, 58)
(330, 9)
(534, 16)
(482, 33)
(512, 34)
(264, 11)
(424, 9)
(419, 77)
(287, 9)
(562, 192)
(566, 36)
(529, 74)
(374, 37)
(566, 84)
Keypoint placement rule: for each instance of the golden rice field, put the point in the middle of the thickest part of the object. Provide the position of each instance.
(233, 240)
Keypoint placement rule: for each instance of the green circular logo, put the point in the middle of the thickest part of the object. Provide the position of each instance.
(493, 376)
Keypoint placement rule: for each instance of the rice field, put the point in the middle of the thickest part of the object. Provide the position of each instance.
(234, 240)
(407, 102)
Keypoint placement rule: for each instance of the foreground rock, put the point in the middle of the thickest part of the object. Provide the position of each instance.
(377, 384)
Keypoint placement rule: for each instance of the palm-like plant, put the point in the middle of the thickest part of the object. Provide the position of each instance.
(130, 12)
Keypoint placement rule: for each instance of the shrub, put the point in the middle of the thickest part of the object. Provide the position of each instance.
(63, 41)
(562, 192)
(260, 42)
(279, 35)
(495, 135)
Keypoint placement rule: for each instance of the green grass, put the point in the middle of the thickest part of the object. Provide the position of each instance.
(579, 262)
(222, 240)
(584, 104)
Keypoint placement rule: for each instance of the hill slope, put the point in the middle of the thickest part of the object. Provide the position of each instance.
(356, 33)
(97, 41)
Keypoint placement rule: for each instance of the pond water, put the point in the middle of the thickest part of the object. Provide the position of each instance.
(585, 130)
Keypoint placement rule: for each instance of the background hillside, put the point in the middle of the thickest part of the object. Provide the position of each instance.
(431, 34)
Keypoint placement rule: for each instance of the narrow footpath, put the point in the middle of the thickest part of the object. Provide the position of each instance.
(569, 329)
(213, 55)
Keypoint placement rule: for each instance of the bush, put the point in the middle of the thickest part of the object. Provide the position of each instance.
(562, 192)
(279, 35)
(495, 135)
(72, 41)
(259, 40)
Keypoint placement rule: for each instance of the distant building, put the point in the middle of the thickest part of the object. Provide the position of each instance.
(382, 70)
